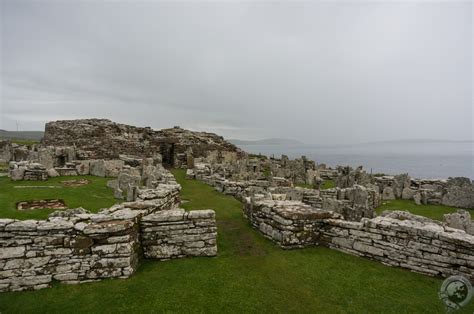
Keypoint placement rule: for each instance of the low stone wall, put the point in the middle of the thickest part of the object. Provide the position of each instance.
(427, 248)
(80, 248)
(176, 233)
(408, 241)
(76, 246)
(28, 170)
(290, 224)
(352, 203)
(457, 192)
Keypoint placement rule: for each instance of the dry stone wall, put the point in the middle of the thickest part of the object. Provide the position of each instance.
(104, 139)
(457, 192)
(76, 246)
(80, 248)
(177, 233)
(406, 241)
(101, 138)
(345, 221)
(353, 203)
(290, 224)
(423, 247)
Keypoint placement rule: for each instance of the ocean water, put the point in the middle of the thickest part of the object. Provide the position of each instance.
(419, 160)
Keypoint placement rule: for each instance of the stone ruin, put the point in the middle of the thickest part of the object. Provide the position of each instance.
(41, 204)
(28, 171)
(75, 246)
(354, 203)
(104, 139)
(101, 147)
(297, 171)
(344, 217)
(456, 192)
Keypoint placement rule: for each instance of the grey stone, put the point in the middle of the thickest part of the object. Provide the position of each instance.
(12, 252)
(461, 219)
(17, 173)
(118, 193)
(417, 198)
(97, 168)
(408, 193)
(83, 167)
(388, 193)
(113, 167)
(52, 173)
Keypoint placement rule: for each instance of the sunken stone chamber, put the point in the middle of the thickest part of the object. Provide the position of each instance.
(41, 204)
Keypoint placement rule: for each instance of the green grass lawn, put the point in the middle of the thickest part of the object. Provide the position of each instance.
(430, 211)
(249, 275)
(24, 142)
(92, 196)
(327, 184)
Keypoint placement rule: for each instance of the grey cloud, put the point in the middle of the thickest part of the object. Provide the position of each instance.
(320, 72)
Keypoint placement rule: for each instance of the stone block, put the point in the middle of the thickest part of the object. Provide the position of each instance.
(83, 167)
(97, 168)
(367, 248)
(12, 252)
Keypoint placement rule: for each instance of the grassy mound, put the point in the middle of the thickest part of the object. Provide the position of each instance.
(250, 274)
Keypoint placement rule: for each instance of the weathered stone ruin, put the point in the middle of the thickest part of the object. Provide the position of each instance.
(28, 171)
(426, 248)
(422, 246)
(177, 233)
(460, 220)
(345, 219)
(76, 246)
(457, 192)
(79, 248)
(353, 203)
(104, 139)
(40, 204)
(290, 224)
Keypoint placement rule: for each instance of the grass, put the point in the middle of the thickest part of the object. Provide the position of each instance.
(259, 156)
(327, 184)
(250, 275)
(92, 196)
(24, 142)
(267, 172)
(430, 211)
(3, 167)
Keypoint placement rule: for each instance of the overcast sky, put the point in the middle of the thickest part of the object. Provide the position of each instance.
(319, 72)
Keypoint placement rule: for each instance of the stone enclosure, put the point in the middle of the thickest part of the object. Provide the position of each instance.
(344, 218)
(422, 246)
(76, 246)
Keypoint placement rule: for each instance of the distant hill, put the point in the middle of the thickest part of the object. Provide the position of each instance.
(420, 141)
(267, 141)
(22, 135)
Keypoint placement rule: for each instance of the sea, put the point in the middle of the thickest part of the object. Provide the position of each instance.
(434, 160)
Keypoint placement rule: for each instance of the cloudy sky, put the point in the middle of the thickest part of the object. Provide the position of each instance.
(320, 72)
